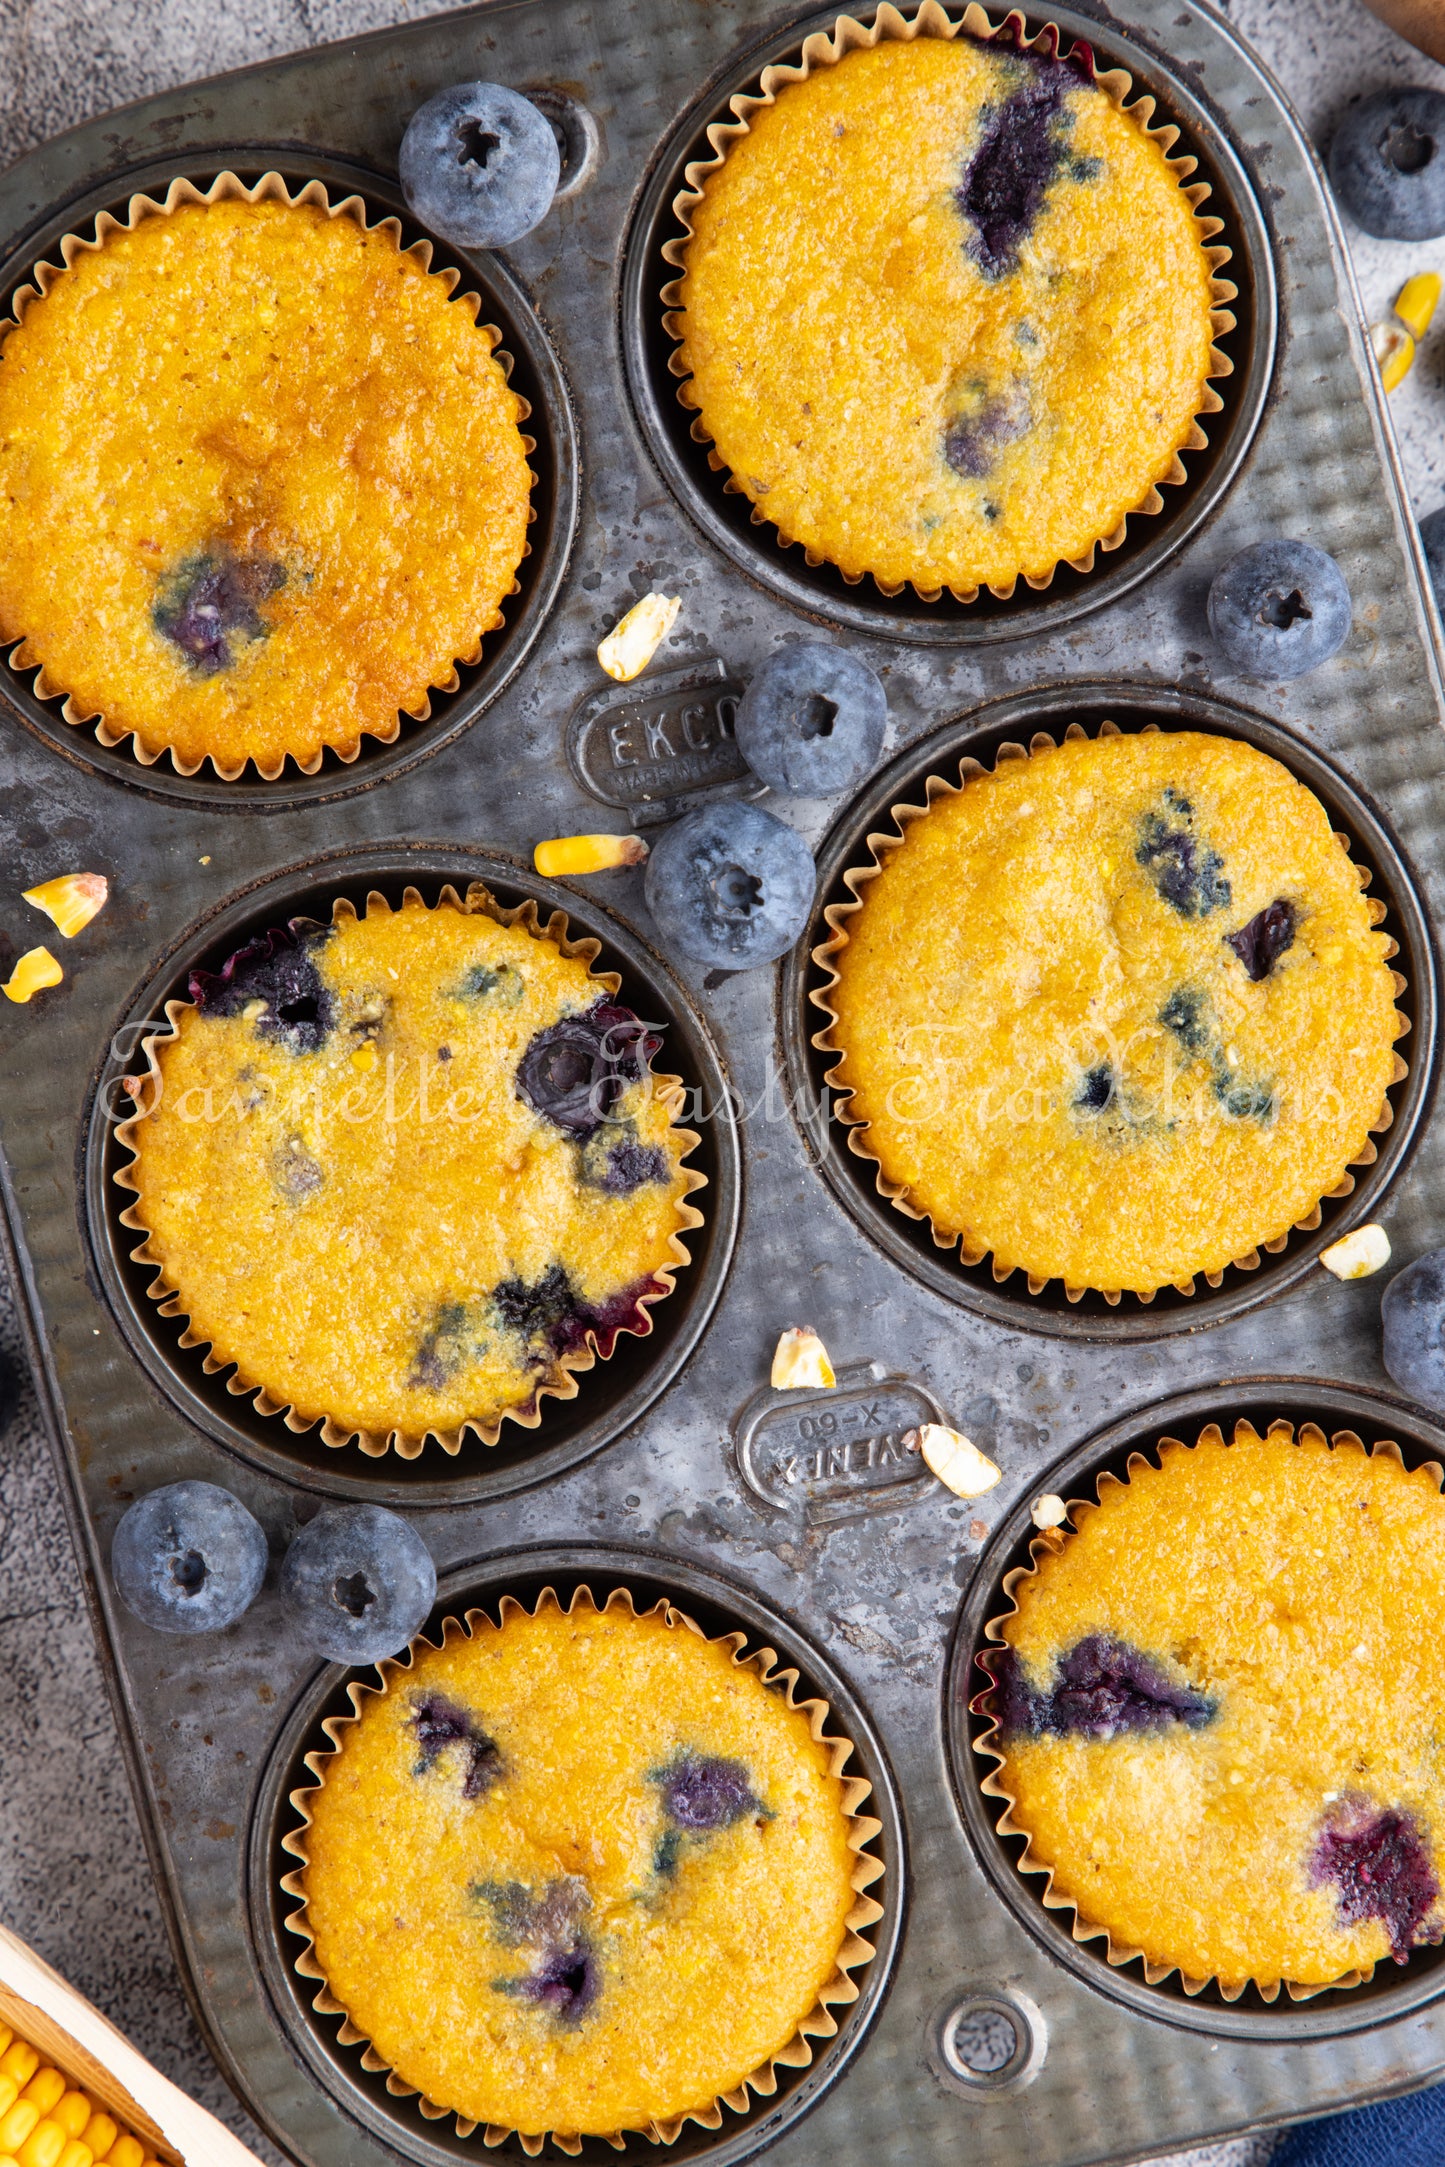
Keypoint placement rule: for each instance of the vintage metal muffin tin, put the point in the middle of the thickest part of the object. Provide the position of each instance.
(981, 2031)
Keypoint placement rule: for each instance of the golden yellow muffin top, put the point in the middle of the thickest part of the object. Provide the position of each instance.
(1117, 1011)
(261, 483)
(947, 313)
(402, 1169)
(581, 1871)
(1222, 1705)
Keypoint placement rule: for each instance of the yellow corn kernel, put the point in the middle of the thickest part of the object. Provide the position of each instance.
(16, 2126)
(1394, 352)
(46, 2087)
(36, 970)
(9, 2093)
(44, 2145)
(9, 2161)
(632, 643)
(77, 2154)
(72, 899)
(364, 1057)
(587, 854)
(19, 2061)
(1417, 302)
(800, 1358)
(72, 2112)
(125, 2152)
(100, 2133)
(6, 2035)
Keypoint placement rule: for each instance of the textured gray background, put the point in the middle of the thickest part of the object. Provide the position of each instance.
(73, 1874)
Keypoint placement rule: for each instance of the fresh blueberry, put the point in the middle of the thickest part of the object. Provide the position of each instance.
(1432, 534)
(731, 885)
(479, 165)
(188, 1558)
(1413, 1313)
(358, 1582)
(1387, 163)
(812, 720)
(1279, 609)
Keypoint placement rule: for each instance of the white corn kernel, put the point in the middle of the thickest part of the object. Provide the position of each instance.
(1048, 1510)
(800, 1359)
(632, 643)
(1357, 1254)
(954, 1458)
(71, 900)
(1394, 352)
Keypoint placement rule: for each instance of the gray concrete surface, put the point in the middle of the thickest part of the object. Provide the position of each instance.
(73, 1873)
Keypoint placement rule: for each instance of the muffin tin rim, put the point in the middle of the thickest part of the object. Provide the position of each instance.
(850, 1179)
(147, 1337)
(551, 535)
(651, 392)
(1336, 2012)
(479, 1584)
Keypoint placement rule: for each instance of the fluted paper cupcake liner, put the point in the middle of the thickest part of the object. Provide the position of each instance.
(823, 49)
(988, 1744)
(271, 187)
(818, 2024)
(971, 1250)
(560, 1381)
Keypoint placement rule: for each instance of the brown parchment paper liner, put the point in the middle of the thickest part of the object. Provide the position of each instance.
(823, 49)
(881, 846)
(820, 2022)
(988, 1743)
(560, 1382)
(271, 187)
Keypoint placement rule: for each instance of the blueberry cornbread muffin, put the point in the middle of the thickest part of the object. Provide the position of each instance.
(262, 482)
(583, 1871)
(407, 1171)
(1116, 1012)
(1218, 1709)
(947, 311)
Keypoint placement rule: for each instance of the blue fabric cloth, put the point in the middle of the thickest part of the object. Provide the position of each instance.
(1406, 2132)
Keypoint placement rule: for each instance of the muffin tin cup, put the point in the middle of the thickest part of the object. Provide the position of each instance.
(1352, 2004)
(1238, 386)
(933, 21)
(612, 1392)
(737, 2124)
(854, 1174)
(453, 701)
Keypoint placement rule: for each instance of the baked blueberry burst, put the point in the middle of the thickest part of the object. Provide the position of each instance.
(1103, 1688)
(213, 600)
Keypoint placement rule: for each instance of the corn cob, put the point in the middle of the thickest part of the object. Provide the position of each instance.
(45, 2121)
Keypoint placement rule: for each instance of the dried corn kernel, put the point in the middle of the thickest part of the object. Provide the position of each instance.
(571, 854)
(1048, 1510)
(632, 643)
(1357, 1254)
(1417, 302)
(36, 970)
(954, 1458)
(72, 2112)
(19, 2061)
(77, 2154)
(44, 2145)
(1394, 352)
(45, 2088)
(16, 2126)
(799, 1359)
(71, 899)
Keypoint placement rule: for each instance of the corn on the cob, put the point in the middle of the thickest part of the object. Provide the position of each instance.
(47, 2122)
(36, 970)
(635, 639)
(568, 855)
(71, 899)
